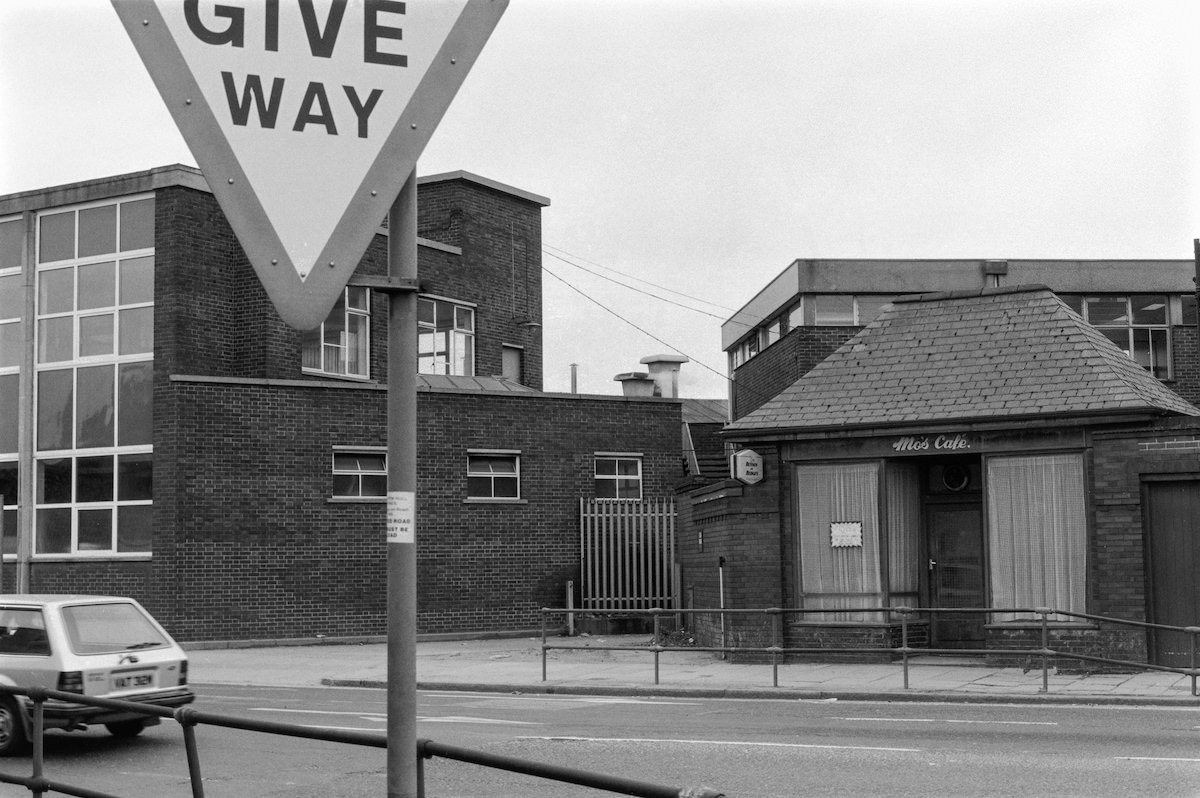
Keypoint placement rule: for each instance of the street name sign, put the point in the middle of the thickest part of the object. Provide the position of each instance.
(306, 117)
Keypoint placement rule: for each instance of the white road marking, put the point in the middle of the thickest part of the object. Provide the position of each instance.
(957, 720)
(558, 698)
(1157, 759)
(719, 742)
(382, 718)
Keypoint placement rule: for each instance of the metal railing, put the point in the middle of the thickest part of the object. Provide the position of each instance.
(189, 717)
(628, 553)
(776, 651)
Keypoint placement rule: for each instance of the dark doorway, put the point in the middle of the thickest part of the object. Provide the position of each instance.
(1173, 554)
(956, 572)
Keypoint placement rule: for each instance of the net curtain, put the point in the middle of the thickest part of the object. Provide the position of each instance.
(1037, 532)
(839, 576)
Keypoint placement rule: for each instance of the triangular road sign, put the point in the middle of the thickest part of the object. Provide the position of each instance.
(307, 116)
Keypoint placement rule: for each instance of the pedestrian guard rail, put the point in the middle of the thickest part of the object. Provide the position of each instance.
(776, 651)
(188, 718)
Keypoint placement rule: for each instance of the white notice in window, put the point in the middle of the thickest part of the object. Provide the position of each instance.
(845, 534)
(401, 509)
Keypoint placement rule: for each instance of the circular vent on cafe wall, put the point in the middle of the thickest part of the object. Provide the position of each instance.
(956, 478)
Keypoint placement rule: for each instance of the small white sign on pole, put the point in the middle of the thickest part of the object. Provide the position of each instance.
(306, 117)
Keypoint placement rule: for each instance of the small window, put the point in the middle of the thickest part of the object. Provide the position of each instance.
(511, 363)
(12, 243)
(341, 344)
(833, 310)
(359, 475)
(493, 475)
(1188, 309)
(795, 315)
(445, 337)
(618, 477)
(772, 332)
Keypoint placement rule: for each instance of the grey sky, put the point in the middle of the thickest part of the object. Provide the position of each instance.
(700, 146)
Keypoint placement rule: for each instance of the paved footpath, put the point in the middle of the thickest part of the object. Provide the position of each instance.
(515, 665)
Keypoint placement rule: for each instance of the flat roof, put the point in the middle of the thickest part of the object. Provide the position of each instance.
(180, 175)
(896, 277)
(484, 181)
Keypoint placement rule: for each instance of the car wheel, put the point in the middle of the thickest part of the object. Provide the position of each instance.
(126, 728)
(12, 730)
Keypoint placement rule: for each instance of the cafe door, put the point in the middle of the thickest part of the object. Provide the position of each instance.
(956, 573)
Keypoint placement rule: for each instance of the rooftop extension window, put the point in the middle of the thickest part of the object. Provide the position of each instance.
(1139, 324)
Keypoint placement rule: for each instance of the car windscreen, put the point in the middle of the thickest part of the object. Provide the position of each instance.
(105, 628)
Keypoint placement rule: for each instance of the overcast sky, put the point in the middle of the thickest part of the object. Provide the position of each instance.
(691, 149)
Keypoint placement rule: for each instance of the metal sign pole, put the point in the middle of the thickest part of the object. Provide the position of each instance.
(402, 487)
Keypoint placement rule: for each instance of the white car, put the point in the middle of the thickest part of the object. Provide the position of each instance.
(101, 646)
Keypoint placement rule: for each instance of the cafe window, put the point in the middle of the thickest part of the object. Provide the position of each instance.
(1037, 533)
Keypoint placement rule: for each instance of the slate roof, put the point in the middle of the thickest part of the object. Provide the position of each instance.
(704, 411)
(986, 355)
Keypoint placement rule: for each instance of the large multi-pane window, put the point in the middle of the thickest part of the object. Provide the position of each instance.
(341, 344)
(94, 344)
(12, 300)
(1138, 324)
(446, 337)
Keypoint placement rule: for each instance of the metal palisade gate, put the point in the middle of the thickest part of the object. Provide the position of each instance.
(627, 551)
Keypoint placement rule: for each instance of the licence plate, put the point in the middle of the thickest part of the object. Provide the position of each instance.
(132, 680)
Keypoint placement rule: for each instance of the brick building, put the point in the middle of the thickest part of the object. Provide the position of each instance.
(994, 446)
(164, 435)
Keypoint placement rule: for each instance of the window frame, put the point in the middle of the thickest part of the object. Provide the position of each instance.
(616, 477)
(76, 500)
(1156, 336)
(359, 474)
(313, 341)
(493, 477)
(459, 341)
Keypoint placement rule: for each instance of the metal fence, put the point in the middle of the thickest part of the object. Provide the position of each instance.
(775, 617)
(628, 554)
(190, 717)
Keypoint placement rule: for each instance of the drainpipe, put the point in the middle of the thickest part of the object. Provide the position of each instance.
(721, 588)
(1196, 258)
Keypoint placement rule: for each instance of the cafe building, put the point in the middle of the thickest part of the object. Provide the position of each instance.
(973, 449)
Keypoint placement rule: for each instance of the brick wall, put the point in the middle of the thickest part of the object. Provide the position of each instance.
(1120, 460)
(1185, 363)
(213, 316)
(761, 378)
(742, 524)
(500, 269)
(248, 543)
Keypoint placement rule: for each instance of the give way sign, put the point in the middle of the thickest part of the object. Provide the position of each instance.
(306, 117)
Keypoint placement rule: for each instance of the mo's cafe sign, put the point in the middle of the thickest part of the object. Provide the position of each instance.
(918, 444)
